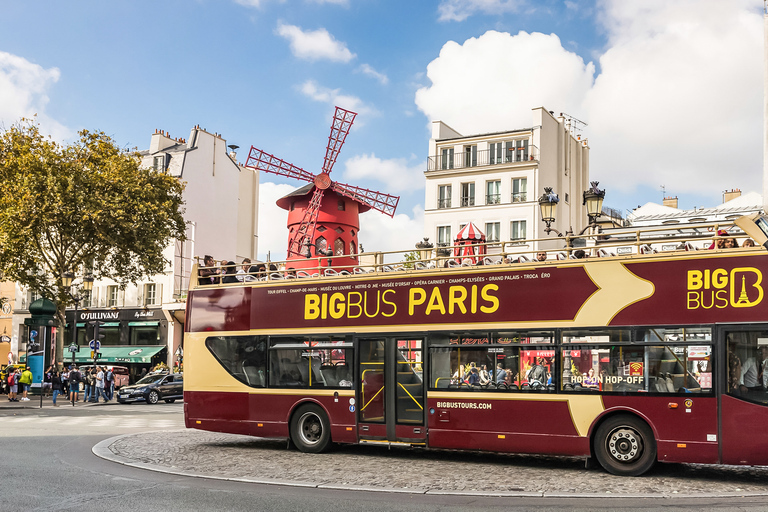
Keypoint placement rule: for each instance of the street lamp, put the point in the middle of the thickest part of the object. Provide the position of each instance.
(66, 280)
(593, 199)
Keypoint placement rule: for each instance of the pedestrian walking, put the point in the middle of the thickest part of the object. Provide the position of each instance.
(100, 386)
(65, 380)
(56, 386)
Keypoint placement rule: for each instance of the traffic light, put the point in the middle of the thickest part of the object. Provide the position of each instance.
(97, 356)
(96, 336)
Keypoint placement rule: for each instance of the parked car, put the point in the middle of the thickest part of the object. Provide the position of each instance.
(153, 388)
(120, 373)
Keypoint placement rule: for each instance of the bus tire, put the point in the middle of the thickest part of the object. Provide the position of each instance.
(310, 429)
(624, 445)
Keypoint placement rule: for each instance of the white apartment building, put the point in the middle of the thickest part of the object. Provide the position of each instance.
(221, 210)
(495, 180)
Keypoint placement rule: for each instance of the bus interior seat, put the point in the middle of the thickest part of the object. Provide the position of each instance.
(317, 374)
(329, 374)
(253, 376)
(342, 372)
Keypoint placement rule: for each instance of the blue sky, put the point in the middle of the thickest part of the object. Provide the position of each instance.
(671, 90)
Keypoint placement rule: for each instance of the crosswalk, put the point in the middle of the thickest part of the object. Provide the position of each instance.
(118, 422)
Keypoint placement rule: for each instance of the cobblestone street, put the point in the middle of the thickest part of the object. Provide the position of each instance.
(415, 470)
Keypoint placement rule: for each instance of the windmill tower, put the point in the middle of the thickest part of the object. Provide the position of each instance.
(323, 216)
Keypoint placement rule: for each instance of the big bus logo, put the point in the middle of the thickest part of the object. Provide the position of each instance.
(718, 288)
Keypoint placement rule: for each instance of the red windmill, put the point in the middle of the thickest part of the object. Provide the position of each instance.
(319, 215)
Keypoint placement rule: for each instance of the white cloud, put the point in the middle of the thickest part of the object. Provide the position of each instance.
(378, 232)
(394, 173)
(368, 70)
(24, 90)
(678, 101)
(459, 10)
(314, 45)
(334, 97)
(502, 78)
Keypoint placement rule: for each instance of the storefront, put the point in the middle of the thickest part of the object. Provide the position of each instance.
(134, 338)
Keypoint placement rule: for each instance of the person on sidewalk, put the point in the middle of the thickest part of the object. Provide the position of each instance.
(109, 383)
(12, 379)
(56, 385)
(100, 386)
(26, 381)
(87, 385)
(74, 384)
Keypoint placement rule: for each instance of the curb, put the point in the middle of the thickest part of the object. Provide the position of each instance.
(101, 450)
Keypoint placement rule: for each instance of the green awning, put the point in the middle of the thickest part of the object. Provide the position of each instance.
(142, 324)
(132, 354)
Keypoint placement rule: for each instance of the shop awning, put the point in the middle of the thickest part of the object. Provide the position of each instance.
(132, 354)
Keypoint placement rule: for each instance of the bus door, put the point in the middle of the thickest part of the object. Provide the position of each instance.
(743, 394)
(391, 390)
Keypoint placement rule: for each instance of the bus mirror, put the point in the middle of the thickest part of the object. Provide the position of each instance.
(756, 226)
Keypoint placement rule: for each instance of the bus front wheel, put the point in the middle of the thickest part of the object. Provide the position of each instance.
(310, 429)
(624, 446)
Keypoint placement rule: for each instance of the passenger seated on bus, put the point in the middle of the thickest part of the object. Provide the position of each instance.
(537, 375)
(579, 254)
(541, 256)
(208, 275)
(748, 243)
(720, 242)
(230, 275)
(501, 373)
(485, 379)
(590, 381)
(474, 377)
(731, 243)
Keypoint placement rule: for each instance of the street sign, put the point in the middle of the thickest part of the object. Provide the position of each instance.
(95, 344)
(74, 348)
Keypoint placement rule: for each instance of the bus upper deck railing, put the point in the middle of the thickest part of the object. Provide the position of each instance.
(619, 243)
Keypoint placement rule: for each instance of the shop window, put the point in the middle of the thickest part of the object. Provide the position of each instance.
(244, 357)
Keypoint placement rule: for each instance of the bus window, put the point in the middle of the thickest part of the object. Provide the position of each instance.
(244, 357)
(674, 334)
(310, 362)
(747, 358)
(597, 336)
(655, 369)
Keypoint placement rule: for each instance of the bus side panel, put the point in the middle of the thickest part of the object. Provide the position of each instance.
(744, 438)
(260, 414)
(685, 425)
(519, 424)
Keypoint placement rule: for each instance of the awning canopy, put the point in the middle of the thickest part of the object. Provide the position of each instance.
(466, 244)
(132, 354)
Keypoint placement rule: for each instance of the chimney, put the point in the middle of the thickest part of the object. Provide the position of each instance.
(671, 202)
(731, 194)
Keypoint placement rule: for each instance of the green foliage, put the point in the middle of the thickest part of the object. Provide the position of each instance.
(410, 257)
(85, 205)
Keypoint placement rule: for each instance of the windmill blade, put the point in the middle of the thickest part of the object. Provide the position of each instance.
(342, 122)
(306, 230)
(263, 161)
(385, 203)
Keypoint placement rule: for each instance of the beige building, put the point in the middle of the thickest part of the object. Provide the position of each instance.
(495, 180)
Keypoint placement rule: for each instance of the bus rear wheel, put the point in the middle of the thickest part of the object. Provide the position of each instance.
(624, 446)
(310, 429)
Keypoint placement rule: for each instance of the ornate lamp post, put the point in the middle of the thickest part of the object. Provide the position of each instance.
(66, 280)
(593, 199)
(425, 249)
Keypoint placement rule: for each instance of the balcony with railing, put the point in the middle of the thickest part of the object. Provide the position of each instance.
(463, 160)
(444, 203)
(468, 201)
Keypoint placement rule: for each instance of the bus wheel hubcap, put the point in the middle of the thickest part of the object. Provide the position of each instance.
(311, 429)
(625, 445)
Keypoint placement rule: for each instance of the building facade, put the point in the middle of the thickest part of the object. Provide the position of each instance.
(221, 210)
(495, 180)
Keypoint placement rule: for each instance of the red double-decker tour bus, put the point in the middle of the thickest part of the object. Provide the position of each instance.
(628, 359)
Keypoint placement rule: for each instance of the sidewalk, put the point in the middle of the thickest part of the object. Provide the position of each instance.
(34, 402)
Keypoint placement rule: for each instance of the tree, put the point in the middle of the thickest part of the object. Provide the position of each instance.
(87, 207)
